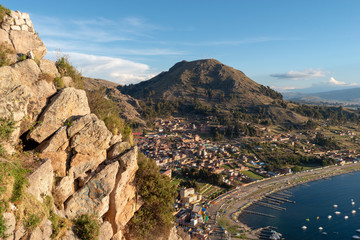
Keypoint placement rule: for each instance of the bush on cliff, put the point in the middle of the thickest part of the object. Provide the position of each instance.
(105, 109)
(87, 227)
(3, 12)
(154, 218)
(5, 50)
(65, 68)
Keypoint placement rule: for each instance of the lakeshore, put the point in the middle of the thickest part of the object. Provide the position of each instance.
(228, 207)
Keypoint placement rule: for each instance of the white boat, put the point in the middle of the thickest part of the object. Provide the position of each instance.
(353, 203)
(358, 230)
(303, 227)
(335, 206)
(346, 217)
(337, 213)
(320, 228)
(355, 237)
(353, 211)
(329, 217)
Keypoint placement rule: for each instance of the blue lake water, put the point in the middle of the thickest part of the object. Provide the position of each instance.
(313, 200)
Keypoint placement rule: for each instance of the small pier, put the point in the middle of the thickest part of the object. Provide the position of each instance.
(270, 206)
(274, 200)
(284, 194)
(269, 201)
(280, 199)
(259, 213)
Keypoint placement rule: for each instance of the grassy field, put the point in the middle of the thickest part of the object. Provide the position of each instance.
(252, 175)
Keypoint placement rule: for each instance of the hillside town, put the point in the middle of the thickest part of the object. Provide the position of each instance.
(177, 144)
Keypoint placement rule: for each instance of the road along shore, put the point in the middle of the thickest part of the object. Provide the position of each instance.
(229, 206)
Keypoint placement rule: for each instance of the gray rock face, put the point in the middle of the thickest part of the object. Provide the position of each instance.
(67, 103)
(106, 231)
(93, 197)
(41, 181)
(25, 41)
(4, 37)
(123, 202)
(10, 221)
(92, 137)
(118, 149)
(48, 67)
(29, 71)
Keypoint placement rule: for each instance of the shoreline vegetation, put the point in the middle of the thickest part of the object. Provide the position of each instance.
(228, 209)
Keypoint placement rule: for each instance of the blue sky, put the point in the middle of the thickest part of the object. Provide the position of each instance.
(308, 45)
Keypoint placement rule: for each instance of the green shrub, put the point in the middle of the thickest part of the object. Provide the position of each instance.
(22, 57)
(106, 110)
(65, 68)
(3, 226)
(3, 12)
(57, 224)
(154, 218)
(5, 50)
(87, 227)
(7, 126)
(59, 83)
(14, 170)
(32, 221)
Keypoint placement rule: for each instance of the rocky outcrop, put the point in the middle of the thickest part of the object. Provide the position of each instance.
(85, 169)
(41, 181)
(24, 42)
(48, 67)
(67, 103)
(123, 200)
(93, 198)
(17, 30)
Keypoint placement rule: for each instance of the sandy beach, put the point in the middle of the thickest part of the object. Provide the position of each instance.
(231, 204)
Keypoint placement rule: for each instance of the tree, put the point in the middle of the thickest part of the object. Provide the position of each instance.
(154, 218)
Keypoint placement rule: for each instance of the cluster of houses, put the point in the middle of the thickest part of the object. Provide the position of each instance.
(176, 143)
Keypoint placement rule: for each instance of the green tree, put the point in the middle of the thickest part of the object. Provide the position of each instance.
(154, 218)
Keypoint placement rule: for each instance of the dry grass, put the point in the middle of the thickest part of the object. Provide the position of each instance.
(47, 77)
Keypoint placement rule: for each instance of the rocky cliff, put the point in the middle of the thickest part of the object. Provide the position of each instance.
(79, 166)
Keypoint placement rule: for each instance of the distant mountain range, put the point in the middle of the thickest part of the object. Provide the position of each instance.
(337, 97)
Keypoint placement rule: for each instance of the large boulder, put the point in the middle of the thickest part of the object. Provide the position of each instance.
(25, 41)
(41, 181)
(106, 231)
(29, 71)
(117, 149)
(49, 67)
(63, 191)
(4, 38)
(56, 149)
(89, 135)
(93, 198)
(14, 97)
(65, 104)
(123, 202)
(14, 102)
(42, 232)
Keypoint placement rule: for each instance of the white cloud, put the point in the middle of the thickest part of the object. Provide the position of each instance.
(333, 81)
(109, 68)
(286, 88)
(304, 74)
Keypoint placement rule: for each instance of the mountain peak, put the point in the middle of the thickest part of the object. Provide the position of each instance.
(206, 80)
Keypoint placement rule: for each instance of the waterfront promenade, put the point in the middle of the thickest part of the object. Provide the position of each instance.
(229, 206)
